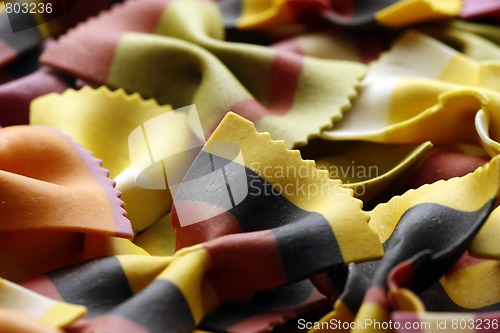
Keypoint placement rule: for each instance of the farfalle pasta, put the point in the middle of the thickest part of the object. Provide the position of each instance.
(269, 87)
(249, 166)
